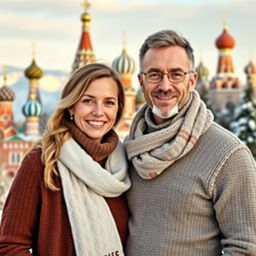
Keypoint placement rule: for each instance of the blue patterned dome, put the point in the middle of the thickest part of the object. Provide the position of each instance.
(32, 108)
(124, 64)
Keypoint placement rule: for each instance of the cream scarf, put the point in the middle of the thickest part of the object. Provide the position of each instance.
(85, 183)
(152, 148)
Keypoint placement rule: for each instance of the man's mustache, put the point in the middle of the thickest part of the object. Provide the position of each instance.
(164, 93)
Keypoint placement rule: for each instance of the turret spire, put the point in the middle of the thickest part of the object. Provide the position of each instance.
(84, 54)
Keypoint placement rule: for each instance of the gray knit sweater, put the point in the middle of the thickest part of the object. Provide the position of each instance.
(202, 205)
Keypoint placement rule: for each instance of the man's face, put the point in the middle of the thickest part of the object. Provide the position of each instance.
(165, 95)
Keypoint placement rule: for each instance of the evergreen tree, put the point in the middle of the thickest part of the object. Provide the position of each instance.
(244, 124)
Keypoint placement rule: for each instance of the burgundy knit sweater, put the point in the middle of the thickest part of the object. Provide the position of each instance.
(36, 217)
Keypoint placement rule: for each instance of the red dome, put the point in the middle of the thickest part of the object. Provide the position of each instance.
(225, 40)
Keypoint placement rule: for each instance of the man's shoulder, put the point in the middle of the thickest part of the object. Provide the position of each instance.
(221, 134)
(219, 140)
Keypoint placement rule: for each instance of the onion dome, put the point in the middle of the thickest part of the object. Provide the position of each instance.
(250, 68)
(6, 94)
(140, 99)
(32, 108)
(202, 70)
(33, 71)
(225, 40)
(124, 64)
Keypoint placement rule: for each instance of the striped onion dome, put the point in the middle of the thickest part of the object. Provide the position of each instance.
(32, 108)
(33, 71)
(6, 94)
(124, 64)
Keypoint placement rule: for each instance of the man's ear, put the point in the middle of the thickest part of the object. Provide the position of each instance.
(193, 81)
(141, 81)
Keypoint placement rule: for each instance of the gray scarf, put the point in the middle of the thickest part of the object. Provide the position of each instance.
(152, 148)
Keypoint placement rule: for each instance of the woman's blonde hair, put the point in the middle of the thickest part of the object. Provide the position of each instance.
(57, 131)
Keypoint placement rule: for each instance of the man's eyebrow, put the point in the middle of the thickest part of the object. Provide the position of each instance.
(170, 70)
(154, 70)
(175, 69)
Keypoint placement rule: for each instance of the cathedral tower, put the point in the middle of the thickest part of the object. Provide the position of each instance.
(225, 86)
(84, 54)
(7, 126)
(33, 108)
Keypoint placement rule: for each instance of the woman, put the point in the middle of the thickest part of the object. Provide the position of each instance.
(63, 201)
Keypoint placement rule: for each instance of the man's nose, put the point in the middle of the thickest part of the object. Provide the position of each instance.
(165, 84)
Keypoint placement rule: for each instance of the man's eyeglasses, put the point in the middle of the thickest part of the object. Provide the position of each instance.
(173, 76)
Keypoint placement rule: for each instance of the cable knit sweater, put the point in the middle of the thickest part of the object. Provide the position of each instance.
(204, 204)
(36, 217)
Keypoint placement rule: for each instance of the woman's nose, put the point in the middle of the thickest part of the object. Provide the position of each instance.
(98, 110)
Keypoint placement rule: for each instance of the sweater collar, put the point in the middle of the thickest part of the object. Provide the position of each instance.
(99, 151)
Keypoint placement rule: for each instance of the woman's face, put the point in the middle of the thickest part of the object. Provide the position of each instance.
(95, 112)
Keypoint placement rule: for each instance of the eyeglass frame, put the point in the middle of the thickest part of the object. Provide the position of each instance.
(168, 75)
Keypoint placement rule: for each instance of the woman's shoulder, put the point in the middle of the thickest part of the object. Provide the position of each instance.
(34, 154)
(32, 159)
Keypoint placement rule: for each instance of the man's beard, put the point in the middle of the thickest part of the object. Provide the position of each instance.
(166, 114)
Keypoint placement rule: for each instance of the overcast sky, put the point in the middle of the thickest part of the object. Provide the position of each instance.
(55, 27)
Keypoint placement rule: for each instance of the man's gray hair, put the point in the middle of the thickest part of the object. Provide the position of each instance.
(165, 38)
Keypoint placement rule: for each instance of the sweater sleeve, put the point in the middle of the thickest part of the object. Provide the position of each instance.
(235, 204)
(20, 214)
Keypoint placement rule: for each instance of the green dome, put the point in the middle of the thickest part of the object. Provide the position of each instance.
(32, 108)
(202, 71)
(33, 71)
(140, 97)
(250, 68)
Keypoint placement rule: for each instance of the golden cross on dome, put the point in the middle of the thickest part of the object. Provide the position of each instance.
(250, 54)
(33, 50)
(4, 74)
(225, 21)
(86, 5)
(124, 39)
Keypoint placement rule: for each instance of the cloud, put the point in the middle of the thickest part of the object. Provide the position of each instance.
(56, 28)
(12, 78)
(50, 83)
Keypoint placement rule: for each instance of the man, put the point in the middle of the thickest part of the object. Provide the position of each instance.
(193, 183)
